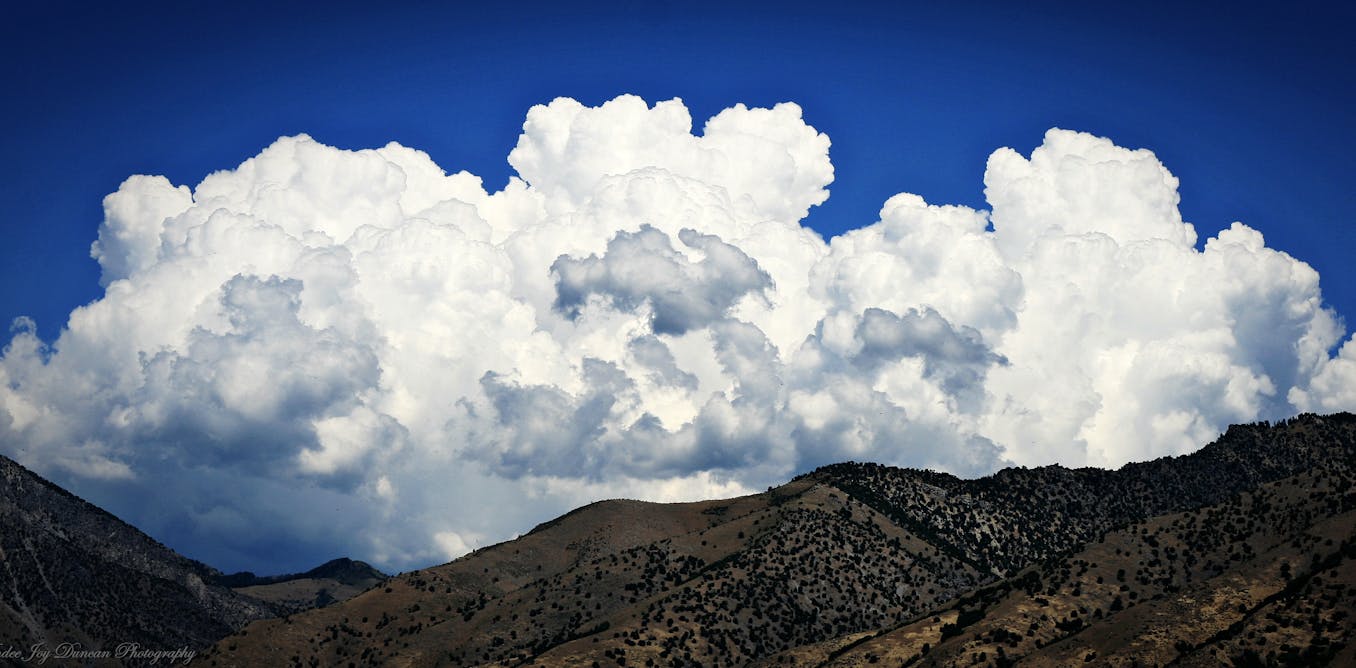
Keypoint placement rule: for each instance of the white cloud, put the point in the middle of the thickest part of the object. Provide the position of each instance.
(1333, 388)
(326, 351)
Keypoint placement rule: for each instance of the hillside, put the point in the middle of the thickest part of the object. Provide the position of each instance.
(1266, 577)
(333, 581)
(70, 572)
(853, 560)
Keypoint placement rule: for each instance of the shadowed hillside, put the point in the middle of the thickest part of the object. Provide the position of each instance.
(70, 572)
(853, 560)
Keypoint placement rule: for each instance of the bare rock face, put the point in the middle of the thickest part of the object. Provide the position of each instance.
(1246, 545)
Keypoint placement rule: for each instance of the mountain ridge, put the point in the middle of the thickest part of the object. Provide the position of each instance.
(68, 565)
(849, 564)
(342, 569)
(71, 572)
(736, 581)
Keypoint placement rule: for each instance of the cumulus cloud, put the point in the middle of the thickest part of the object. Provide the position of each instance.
(324, 351)
(958, 358)
(643, 268)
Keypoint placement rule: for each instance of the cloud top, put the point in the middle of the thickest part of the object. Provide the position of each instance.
(357, 352)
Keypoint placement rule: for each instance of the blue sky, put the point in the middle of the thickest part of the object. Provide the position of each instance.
(1249, 105)
(296, 415)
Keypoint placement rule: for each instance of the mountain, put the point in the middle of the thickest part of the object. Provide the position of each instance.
(1266, 577)
(859, 563)
(70, 572)
(332, 581)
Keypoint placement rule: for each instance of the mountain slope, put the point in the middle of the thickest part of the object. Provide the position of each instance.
(1265, 575)
(817, 566)
(72, 572)
(332, 581)
(1005, 521)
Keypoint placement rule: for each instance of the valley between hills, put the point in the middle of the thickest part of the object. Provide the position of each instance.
(1241, 553)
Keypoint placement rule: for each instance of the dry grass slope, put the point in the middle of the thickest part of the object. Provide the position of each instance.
(1239, 553)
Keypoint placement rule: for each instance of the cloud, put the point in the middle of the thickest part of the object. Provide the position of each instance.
(642, 268)
(267, 386)
(956, 357)
(324, 351)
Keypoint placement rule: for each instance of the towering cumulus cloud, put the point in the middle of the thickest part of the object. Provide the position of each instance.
(325, 351)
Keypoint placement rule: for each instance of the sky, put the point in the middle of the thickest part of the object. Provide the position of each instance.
(315, 357)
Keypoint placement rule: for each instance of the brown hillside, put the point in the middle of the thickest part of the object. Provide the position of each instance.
(1266, 576)
(853, 560)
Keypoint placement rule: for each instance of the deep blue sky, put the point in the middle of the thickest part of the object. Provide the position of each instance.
(1250, 107)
